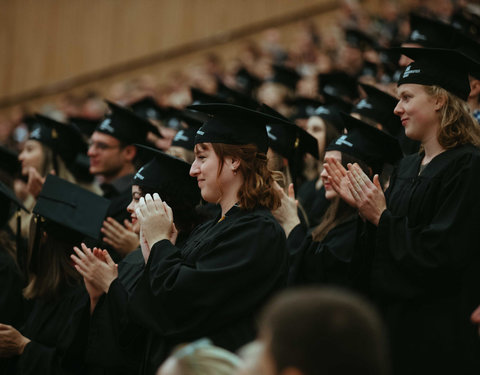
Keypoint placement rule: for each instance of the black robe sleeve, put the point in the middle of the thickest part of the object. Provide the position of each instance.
(220, 277)
(326, 261)
(11, 285)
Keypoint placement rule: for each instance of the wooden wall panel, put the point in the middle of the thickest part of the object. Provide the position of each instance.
(50, 46)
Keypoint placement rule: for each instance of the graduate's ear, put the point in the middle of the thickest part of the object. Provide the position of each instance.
(440, 101)
(234, 164)
(129, 152)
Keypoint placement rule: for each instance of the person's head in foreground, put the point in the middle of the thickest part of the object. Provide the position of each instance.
(322, 331)
(200, 358)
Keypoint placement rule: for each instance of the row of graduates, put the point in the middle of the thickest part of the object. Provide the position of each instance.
(416, 261)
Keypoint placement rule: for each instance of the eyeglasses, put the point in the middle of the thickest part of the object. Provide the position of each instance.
(100, 146)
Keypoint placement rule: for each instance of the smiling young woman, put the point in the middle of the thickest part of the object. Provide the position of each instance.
(215, 283)
(425, 246)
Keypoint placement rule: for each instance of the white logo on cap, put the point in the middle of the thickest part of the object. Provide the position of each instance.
(409, 71)
(105, 125)
(138, 175)
(364, 104)
(151, 113)
(270, 135)
(417, 36)
(199, 132)
(322, 111)
(342, 141)
(36, 133)
(180, 136)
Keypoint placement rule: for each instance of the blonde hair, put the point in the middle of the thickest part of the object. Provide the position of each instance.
(203, 358)
(457, 125)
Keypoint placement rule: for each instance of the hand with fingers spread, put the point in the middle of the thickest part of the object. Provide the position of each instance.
(12, 342)
(98, 273)
(122, 238)
(368, 195)
(339, 180)
(155, 218)
(287, 214)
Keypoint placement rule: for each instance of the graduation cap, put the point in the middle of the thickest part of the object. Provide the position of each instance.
(246, 81)
(285, 76)
(289, 140)
(9, 200)
(166, 172)
(369, 69)
(86, 125)
(466, 22)
(367, 143)
(429, 33)
(9, 162)
(65, 140)
(469, 47)
(232, 96)
(331, 110)
(378, 106)
(185, 138)
(304, 107)
(147, 108)
(232, 124)
(358, 39)
(446, 68)
(338, 84)
(69, 210)
(200, 97)
(123, 124)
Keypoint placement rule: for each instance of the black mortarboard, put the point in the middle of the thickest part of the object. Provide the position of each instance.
(166, 172)
(331, 110)
(285, 76)
(70, 210)
(64, 139)
(286, 138)
(246, 81)
(358, 39)
(338, 84)
(147, 108)
(290, 141)
(185, 137)
(200, 97)
(368, 144)
(235, 97)
(369, 69)
(123, 124)
(86, 125)
(467, 22)
(7, 198)
(9, 161)
(429, 33)
(378, 106)
(448, 69)
(232, 124)
(469, 47)
(304, 107)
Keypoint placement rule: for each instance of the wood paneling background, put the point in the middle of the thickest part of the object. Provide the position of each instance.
(52, 46)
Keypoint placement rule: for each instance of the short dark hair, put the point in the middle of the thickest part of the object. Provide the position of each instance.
(325, 331)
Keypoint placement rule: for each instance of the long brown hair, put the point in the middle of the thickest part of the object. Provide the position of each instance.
(258, 187)
(457, 125)
(50, 267)
(338, 211)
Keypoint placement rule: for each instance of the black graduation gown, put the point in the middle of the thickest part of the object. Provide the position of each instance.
(313, 202)
(322, 262)
(103, 352)
(426, 266)
(212, 287)
(50, 327)
(11, 285)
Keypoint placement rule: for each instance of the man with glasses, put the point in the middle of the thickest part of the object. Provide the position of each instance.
(113, 157)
